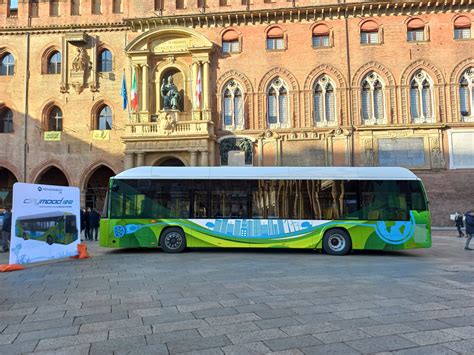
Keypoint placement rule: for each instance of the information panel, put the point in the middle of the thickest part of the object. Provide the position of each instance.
(45, 223)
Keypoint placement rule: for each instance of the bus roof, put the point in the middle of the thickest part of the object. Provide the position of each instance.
(269, 173)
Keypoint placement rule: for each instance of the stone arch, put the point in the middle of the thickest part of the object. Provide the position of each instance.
(39, 170)
(7, 49)
(7, 180)
(234, 74)
(390, 91)
(454, 86)
(12, 168)
(53, 175)
(170, 159)
(46, 53)
(94, 184)
(281, 72)
(438, 89)
(91, 169)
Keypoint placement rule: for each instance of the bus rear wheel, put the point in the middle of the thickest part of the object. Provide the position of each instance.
(172, 240)
(49, 240)
(337, 242)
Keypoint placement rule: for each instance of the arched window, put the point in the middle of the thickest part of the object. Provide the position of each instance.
(55, 119)
(7, 65)
(462, 28)
(324, 101)
(233, 106)
(372, 98)
(230, 42)
(421, 97)
(275, 39)
(54, 63)
(104, 118)
(277, 103)
(105, 61)
(321, 36)
(6, 121)
(369, 33)
(466, 94)
(416, 30)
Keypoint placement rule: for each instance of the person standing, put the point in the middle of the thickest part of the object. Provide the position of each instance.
(6, 229)
(469, 228)
(459, 224)
(82, 221)
(94, 218)
(87, 224)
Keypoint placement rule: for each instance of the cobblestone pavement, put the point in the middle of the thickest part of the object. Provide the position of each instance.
(243, 302)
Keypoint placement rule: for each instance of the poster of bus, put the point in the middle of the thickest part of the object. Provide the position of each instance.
(45, 223)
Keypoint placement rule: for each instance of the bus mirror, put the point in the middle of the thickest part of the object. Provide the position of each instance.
(115, 188)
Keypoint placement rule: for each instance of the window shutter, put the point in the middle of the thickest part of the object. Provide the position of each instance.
(318, 104)
(238, 109)
(227, 110)
(366, 109)
(414, 102)
(329, 103)
(272, 114)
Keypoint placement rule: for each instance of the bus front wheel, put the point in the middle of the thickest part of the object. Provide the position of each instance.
(337, 242)
(172, 240)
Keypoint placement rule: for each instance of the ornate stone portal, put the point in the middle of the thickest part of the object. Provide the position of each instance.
(171, 119)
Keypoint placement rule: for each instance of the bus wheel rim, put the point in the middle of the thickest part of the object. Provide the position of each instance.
(173, 240)
(336, 242)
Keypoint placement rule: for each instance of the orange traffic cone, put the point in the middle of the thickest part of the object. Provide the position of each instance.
(11, 267)
(82, 250)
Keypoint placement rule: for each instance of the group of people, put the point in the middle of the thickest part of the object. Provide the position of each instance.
(459, 219)
(90, 220)
(6, 229)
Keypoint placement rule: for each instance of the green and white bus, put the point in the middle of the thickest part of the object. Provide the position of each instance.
(336, 209)
(51, 227)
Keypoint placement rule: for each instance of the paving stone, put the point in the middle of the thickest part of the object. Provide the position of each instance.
(318, 318)
(88, 311)
(429, 337)
(244, 349)
(253, 308)
(228, 328)
(431, 324)
(7, 338)
(44, 316)
(426, 350)
(387, 329)
(108, 325)
(33, 326)
(463, 346)
(215, 312)
(238, 318)
(462, 332)
(129, 331)
(55, 343)
(124, 344)
(287, 352)
(460, 321)
(47, 333)
(172, 336)
(260, 335)
(68, 350)
(197, 344)
(198, 306)
(341, 335)
(212, 351)
(330, 349)
(277, 322)
(101, 317)
(276, 313)
(378, 344)
(311, 328)
(20, 348)
(301, 341)
(183, 325)
(148, 312)
(155, 349)
(168, 318)
(179, 301)
(17, 312)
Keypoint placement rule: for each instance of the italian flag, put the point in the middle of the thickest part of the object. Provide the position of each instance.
(133, 92)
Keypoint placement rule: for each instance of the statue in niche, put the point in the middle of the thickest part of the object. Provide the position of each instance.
(170, 94)
(79, 62)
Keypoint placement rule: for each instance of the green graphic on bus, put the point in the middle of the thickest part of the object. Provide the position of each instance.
(51, 227)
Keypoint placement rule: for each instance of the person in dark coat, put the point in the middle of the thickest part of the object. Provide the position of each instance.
(94, 221)
(87, 224)
(82, 221)
(459, 224)
(469, 228)
(6, 229)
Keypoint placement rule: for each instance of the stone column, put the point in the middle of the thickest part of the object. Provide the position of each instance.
(140, 159)
(128, 161)
(205, 158)
(145, 93)
(193, 158)
(205, 90)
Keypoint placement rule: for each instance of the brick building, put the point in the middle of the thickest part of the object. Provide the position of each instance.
(255, 82)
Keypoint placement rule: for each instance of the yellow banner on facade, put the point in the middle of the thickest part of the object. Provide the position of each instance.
(101, 135)
(52, 136)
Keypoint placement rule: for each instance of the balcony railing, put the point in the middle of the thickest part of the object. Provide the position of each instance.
(169, 129)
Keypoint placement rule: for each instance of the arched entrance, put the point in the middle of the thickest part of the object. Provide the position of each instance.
(96, 187)
(52, 176)
(170, 162)
(7, 179)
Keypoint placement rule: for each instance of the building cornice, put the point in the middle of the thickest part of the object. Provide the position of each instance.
(300, 14)
(96, 27)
